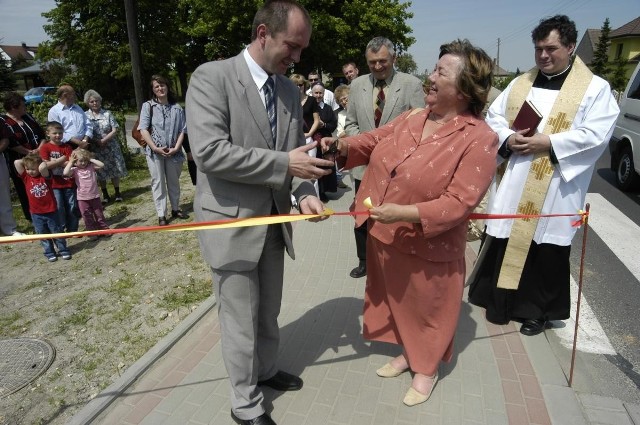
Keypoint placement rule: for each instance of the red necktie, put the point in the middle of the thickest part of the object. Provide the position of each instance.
(377, 114)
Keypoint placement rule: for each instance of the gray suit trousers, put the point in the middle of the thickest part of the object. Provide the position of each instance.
(248, 308)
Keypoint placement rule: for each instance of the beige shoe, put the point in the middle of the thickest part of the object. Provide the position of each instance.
(414, 396)
(388, 371)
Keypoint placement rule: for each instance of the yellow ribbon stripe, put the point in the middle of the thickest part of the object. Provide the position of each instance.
(208, 225)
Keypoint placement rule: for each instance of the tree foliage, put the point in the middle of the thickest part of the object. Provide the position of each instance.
(7, 78)
(176, 37)
(600, 61)
(405, 63)
(618, 76)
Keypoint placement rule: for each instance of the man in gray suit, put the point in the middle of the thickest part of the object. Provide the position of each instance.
(245, 127)
(400, 92)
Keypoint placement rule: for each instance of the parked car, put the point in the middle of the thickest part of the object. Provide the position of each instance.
(37, 94)
(624, 145)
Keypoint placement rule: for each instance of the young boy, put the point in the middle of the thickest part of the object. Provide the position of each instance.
(82, 167)
(55, 154)
(42, 204)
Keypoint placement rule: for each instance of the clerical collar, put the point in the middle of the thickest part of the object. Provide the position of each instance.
(549, 77)
(551, 82)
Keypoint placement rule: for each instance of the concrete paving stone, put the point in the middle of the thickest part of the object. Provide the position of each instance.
(594, 401)
(210, 408)
(178, 397)
(472, 383)
(607, 417)
(361, 419)
(328, 392)
(223, 388)
(317, 415)
(530, 387)
(304, 399)
(562, 405)
(342, 409)
(484, 352)
(493, 397)
(512, 392)
(155, 418)
(337, 369)
(522, 364)
(290, 418)
(490, 375)
(537, 411)
(500, 348)
(507, 369)
(146, 405)
(392, 390)
(517, 414)
(190, 361)
(496, 418)
(166, 385)
(183, 412)
(367, 400)
(451, 390)
(451, 413)
(314, 376)
(473, 408)
(116, 414)
(514, 341)
(410, 415)
(352, 382)
(385, 413)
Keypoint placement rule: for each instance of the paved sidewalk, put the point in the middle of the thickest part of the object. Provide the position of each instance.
(497, 375)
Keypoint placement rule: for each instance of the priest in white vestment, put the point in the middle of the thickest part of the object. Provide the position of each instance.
(522, 272)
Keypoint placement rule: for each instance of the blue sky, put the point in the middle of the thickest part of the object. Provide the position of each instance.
(434, 23)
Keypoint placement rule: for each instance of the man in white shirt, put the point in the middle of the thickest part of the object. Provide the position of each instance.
(77, 126)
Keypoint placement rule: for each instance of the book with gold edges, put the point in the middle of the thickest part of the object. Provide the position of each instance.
(528, 117)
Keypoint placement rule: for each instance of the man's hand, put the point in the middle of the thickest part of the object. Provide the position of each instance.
(313, 205)
(304, 166)
(522, 145)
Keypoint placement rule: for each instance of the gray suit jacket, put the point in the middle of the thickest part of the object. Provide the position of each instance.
(404, 93)
(240, 171)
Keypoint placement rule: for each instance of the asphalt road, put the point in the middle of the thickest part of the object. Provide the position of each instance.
(607, 364)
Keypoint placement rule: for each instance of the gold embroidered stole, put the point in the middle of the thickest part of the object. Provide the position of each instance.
(536, 186)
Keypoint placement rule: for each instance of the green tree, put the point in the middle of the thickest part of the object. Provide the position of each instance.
(405, 63)
(618, 77)
(7, 78)
(176, 37)
(600, 61)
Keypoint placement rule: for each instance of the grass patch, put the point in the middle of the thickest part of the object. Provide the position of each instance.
(8, 323)
(186, 295)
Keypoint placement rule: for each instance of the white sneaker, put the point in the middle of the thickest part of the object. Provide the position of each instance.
(16, 233)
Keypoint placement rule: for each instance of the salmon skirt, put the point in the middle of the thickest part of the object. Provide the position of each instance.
(414, 303)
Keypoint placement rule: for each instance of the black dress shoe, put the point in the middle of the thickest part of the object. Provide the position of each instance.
(532, 327)
(162, 221)
(263, 419)
(359, 271)
(283, 381)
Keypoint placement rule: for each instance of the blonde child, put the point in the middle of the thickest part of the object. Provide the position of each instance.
(42, 204)
(82, 167)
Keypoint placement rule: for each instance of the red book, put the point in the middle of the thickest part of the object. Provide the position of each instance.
(528, 117)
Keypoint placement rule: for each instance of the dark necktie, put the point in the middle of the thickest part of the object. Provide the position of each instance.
(377, 114)
(270, 104)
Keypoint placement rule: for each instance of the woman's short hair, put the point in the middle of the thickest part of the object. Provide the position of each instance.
(341, 91)
(475, 75)
(12, 100)
(161, 79)
(92, 94)
(299, 79)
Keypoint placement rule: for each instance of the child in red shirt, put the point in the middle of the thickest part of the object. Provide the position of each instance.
(42, 204)
(56, 154)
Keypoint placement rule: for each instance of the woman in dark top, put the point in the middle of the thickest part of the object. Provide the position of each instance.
(328, 123)
(25, 135)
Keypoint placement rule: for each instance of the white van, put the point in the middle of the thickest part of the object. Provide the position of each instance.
(624, 145)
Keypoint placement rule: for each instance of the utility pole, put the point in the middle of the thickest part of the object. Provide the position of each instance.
(134, 50)
(498, 57)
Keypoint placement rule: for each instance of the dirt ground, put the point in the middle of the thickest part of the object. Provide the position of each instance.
(101, 310)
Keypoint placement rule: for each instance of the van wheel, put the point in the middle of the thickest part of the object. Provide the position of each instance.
(626, 176)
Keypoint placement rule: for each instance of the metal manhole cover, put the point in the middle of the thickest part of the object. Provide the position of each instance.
(22, 360)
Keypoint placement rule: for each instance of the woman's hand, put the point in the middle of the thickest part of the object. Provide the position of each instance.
(392, 213)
